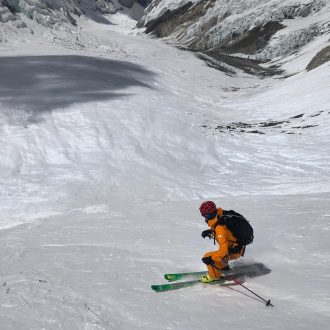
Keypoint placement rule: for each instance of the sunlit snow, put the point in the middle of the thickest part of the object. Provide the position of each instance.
(111, 139)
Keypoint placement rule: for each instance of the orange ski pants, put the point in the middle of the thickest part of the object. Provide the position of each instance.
(220, 263)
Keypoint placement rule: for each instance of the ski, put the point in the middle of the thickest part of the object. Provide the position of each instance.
(189, 278)
(173, 286)
(180, 276)
(250, 269)
(180, 285)
(223, 281)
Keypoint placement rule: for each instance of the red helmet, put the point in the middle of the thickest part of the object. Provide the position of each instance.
(207, 207)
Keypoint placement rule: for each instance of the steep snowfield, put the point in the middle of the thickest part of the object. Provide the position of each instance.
(109, 142)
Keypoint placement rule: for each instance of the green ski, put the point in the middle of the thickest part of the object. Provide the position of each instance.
(173, 286)
(257, 268)
(180, 285)
(180, 276)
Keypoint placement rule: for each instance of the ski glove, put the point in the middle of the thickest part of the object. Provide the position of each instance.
(208, 261)
(207, 233)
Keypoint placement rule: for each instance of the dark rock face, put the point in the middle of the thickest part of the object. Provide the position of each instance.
(127, 3)
(171, 20)
(247, 65)
(130, 3)
(5, 3)
(163, 26)
(320, 58)
(251, 41)
(144, 3)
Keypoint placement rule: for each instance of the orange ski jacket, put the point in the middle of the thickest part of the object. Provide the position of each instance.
(225, 239)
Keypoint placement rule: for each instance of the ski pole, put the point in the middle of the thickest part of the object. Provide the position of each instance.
(268, 302)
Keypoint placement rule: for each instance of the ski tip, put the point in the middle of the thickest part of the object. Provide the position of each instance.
(156, 288)
(172, 277)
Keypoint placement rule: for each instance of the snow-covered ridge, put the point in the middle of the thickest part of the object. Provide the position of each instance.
(57, 20)
(260, 29)
(53, 13)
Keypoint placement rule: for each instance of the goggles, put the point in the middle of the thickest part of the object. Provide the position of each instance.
(209, 216)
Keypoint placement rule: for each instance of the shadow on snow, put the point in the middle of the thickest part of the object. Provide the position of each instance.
(34, 85)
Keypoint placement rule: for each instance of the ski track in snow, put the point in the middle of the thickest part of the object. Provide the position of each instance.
(107, 148)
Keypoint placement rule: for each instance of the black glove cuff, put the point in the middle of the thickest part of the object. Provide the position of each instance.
(207, 233)
(208, 261)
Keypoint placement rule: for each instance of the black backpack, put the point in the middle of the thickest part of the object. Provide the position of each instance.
(238, 225)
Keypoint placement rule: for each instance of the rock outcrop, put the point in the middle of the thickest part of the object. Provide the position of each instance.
(320, 58)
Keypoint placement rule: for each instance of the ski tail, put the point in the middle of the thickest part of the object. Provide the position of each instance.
(173, 286)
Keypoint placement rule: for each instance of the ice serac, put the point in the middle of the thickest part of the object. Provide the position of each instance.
(259, 30)
(52, 13)
(7, 12)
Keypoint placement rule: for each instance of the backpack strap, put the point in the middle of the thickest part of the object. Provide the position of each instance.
(215, 226)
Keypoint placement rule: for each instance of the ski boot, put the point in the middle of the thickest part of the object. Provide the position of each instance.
(208, 279)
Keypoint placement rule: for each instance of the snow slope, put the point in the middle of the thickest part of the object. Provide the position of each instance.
(109, 142)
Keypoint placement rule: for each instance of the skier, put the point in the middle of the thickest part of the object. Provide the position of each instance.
(229, 249)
